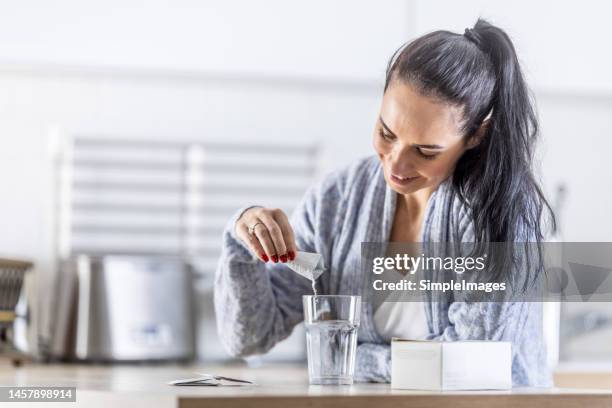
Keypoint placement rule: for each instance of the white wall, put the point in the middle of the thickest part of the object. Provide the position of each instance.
(326, 39)
(577, 132)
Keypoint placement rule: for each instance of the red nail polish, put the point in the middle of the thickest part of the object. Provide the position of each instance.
(275, 258)
(291, 255)
(283, 258)
(264, 257)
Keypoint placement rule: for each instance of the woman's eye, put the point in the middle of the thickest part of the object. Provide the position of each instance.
(386, 136)
(426, 154)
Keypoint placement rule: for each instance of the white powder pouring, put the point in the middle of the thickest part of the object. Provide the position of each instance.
(309, 265)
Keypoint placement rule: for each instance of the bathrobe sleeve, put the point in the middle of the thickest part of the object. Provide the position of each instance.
(258, 304)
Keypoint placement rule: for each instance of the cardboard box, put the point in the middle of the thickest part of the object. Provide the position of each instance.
(458, 365)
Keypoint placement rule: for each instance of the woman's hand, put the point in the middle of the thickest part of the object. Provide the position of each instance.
(267, 233)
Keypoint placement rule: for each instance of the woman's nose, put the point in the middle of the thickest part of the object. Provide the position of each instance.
(401, 159)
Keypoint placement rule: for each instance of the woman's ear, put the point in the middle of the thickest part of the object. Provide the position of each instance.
(479, 135)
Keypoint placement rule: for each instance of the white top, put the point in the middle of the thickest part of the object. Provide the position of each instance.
(403, 319)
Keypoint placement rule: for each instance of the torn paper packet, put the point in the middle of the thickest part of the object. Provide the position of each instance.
(307, 264)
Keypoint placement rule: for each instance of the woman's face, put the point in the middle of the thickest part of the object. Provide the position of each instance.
(417, 138)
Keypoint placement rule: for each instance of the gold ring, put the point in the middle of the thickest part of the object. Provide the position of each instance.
(251, 229)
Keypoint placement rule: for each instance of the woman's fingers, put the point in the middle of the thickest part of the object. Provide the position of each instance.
(262, 234)
(268, 233)
(253, 242)
(287, 231)
(275, 232)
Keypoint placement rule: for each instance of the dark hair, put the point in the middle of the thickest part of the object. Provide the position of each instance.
(480, 72)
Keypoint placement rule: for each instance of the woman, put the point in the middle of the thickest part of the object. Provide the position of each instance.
(454, 142)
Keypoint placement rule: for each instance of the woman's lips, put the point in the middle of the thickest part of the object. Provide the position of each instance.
(403, 181)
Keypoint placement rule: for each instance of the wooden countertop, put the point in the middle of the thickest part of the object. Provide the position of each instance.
(277, 386)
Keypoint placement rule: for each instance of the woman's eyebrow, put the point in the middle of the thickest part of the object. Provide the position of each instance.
(423, 146)
(386, 127)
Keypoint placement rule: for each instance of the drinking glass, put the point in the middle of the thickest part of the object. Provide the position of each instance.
(331, 337)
